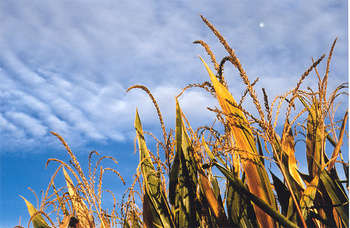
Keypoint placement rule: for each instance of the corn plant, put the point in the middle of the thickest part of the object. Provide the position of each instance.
(218, 175)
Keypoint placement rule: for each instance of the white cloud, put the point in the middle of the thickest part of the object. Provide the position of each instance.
(7, 126)
(30, 124)
(65, 65)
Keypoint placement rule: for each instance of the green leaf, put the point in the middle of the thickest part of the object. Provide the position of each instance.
(156, 202)
(283, 193)
(239, 209)
(337, 195)
(260, 150)
(183, 177)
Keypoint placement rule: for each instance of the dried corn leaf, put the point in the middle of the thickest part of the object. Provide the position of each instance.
(308, 197)
(83, 214)
(288, 148)
(257, 178)
(38, 221)
(339, 144)
(215, 185)
(65, 221)
(215, 205)
(315, 138)
(295, 189)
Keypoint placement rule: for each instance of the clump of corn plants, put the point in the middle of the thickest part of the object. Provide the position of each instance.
(250, 197)
(79, 203)
(218, 175)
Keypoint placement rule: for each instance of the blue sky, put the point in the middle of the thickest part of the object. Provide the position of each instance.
(65, 66)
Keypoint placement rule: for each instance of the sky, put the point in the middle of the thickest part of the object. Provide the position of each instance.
(65, 67)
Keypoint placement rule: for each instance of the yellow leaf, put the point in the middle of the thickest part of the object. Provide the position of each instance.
(288, 148)
(308, 196)
(82, 212)
(214, 204)
(257, 178)
(38, 221)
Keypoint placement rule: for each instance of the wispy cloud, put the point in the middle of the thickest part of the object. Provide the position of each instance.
(65, 66)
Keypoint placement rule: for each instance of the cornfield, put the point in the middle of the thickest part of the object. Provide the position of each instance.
(217, 175)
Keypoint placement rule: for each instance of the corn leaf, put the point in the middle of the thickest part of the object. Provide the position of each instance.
(150, 217)
(323, 208)
(173, 178)
(339, 144)
(292, 211)
(308, 197)
(260, 150)
(243, 191)
(215, 205)
(183, 177)
(84, 216)
(288, 148)
(38, 221)
(239, 209)
(338, 197)
(155, 202)
(315, 138)
(345, 165)
(65, 221)
(237, 213)
(283, 193)
(213, 194)
(295, 188)
(215, 185)
(257, 178)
